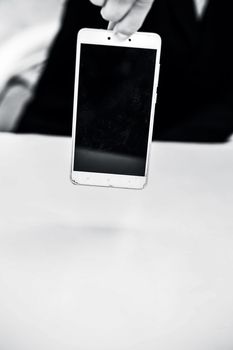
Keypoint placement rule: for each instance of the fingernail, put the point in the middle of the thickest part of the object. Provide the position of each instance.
(111, 25)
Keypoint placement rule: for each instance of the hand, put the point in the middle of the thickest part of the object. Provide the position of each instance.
(125, 16)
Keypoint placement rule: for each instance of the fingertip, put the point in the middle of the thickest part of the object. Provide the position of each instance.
(102, 12)
(126, 27)
(121, 36)
(122, 31)
(99, 3)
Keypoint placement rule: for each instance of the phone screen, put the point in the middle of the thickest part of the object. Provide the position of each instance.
(113, 109)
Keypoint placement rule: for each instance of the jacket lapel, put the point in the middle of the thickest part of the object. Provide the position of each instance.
(183, 12)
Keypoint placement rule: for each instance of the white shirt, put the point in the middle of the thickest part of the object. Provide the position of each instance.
(200, 6)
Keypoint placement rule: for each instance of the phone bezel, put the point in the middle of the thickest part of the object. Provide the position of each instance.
(108, 38)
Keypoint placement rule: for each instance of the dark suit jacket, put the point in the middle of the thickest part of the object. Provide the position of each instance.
(195, 98)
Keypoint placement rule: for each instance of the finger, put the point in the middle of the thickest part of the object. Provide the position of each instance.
(100, 3)
(116, 10)
(120, 37)
(134, 19)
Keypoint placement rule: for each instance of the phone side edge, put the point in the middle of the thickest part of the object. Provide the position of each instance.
(75, 102)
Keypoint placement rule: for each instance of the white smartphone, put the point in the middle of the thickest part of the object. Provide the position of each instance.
(114, 103)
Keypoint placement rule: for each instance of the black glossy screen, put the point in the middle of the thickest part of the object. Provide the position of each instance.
(113, 112)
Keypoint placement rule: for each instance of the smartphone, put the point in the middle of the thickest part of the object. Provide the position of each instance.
(114, 103)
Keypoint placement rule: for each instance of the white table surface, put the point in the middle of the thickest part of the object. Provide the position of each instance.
(86, 268)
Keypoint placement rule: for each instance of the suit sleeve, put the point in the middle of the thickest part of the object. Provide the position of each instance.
(50, 110)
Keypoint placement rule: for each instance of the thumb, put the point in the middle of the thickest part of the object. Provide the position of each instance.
(134, 19)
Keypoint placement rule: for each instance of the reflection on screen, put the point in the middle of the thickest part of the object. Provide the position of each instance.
(113, 113)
